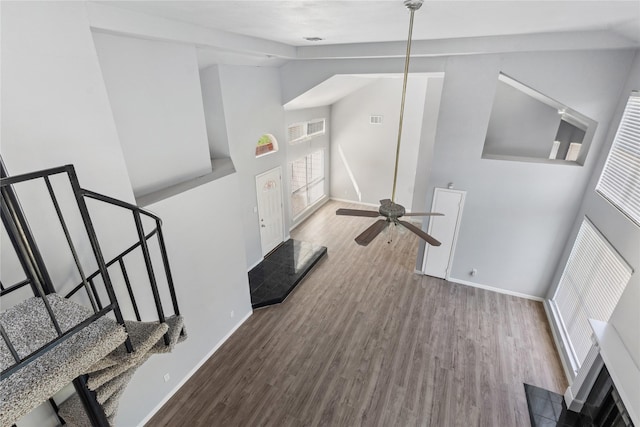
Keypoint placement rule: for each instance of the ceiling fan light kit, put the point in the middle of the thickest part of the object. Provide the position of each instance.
(391, 211)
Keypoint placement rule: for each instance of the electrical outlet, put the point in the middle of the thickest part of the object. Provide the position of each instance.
(473, 271)
(166, 377)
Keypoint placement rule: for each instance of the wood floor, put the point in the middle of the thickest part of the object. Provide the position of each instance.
(366, 341)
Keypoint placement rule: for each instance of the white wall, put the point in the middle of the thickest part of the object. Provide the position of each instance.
(520, 125)
(364, 154)
(55, 108)
(56, 111)
(205, 245)
(252, 107)
(616, 227)
(154, 89)
(214, 112)
(517, 215)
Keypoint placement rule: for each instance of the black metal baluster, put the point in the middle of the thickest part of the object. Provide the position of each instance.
(167, 269)
(18, 246)
(95, 412)
(14, 209)
(128, 283)
(92, 286)
(76, 259)
(10, 346)
(152, 277)
(36, 286)
(97, 252)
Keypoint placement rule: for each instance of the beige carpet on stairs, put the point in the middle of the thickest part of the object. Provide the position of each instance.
(29, 328)
(110, 376)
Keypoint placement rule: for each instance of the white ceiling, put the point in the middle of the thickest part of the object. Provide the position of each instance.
(360, 21)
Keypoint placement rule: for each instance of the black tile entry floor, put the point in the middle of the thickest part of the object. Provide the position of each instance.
(547, 409)
(281, 271)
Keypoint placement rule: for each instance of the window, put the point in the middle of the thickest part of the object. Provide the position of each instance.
(266, 144)
(591, 285)
(620, 179)
(305, 130)
(307, 181)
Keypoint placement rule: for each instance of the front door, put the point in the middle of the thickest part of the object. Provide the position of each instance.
(270, 211)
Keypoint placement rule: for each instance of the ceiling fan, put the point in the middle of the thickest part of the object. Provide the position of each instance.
(391, 211)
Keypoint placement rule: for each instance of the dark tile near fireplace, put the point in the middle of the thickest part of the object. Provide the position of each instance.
(271, 281)
(547, 409)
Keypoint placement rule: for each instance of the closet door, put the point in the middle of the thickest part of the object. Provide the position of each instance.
(438, 259)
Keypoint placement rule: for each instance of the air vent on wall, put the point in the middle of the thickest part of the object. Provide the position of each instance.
(375, 120)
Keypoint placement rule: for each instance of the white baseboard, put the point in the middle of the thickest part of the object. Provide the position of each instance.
(372, 205)
(493, 289)
(560, 344)
(194, 370)
(308, 212)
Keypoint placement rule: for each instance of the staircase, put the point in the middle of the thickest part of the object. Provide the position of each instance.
(57, 332)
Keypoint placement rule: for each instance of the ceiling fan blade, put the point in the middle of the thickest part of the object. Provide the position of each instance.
(357, 212)
(424, 236)
(423, 214)
(370, 233)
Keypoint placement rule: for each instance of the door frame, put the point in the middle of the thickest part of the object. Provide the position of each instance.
(463, 195)
(282, 219)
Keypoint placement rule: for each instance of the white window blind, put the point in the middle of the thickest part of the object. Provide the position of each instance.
(315, 127)
(305, 130)
(306, 181)
(591, 285)
(296, 132)
(620, 179)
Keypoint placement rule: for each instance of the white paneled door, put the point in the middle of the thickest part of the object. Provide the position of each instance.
(270, 211)
(438, 259)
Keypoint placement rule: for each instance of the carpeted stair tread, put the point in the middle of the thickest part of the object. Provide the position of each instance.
(176, 334)
(144, 335)
(29, 328)
(111, 405)
(105, 391)
(99, 378)
(73, 413)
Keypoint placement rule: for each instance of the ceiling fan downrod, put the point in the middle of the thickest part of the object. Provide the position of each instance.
(412, 5)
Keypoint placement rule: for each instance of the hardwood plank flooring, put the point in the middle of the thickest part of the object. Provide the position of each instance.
(364, 341)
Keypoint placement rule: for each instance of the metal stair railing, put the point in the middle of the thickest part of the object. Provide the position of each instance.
(36, 275)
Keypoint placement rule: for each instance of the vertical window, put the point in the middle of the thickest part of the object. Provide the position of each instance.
(307, 181)
(620, 179)
(591, 285)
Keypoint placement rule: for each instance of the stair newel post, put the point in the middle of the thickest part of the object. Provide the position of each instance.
(95, 246)
(167, 268)
(150, 273)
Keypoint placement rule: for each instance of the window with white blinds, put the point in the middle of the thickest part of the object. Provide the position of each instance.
(591, 285)
(620, 179)
(305, 130)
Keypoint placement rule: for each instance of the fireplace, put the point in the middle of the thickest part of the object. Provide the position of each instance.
(603, 406)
